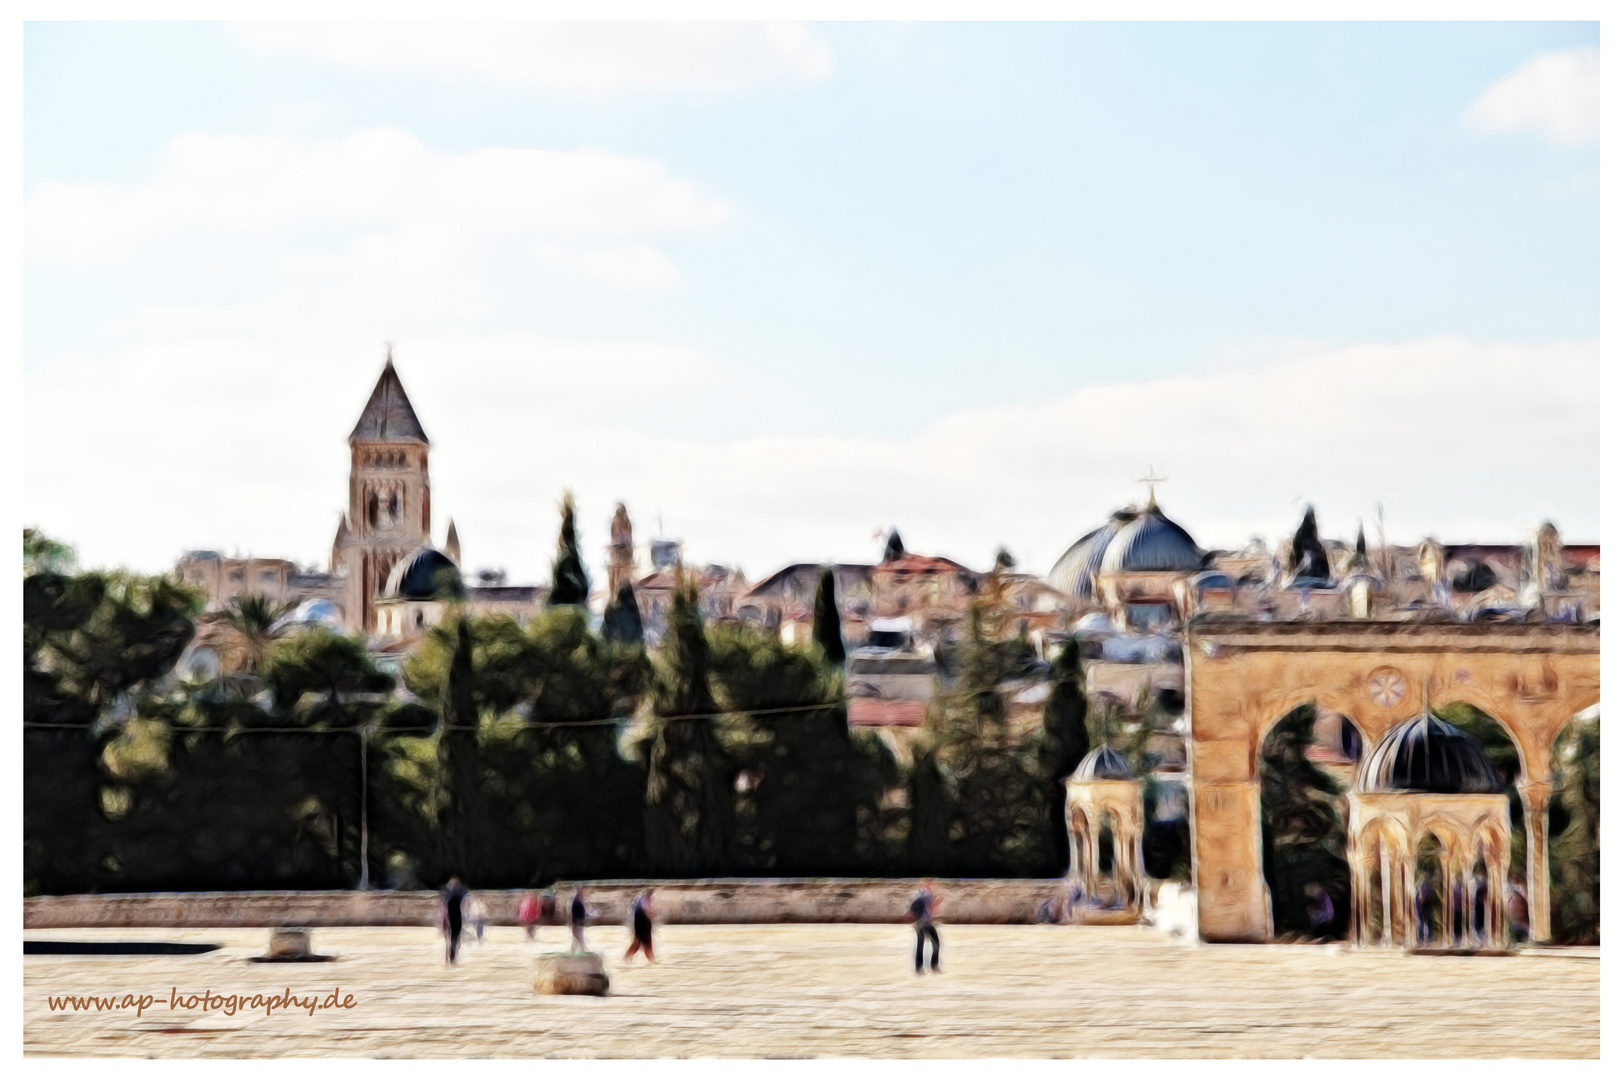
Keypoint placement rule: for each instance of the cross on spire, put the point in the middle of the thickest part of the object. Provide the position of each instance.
(1151, 479)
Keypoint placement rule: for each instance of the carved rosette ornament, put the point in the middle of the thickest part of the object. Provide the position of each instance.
(1387, 687)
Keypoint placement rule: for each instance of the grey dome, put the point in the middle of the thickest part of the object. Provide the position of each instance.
(1103, 763)
(422, 575)
(1151, 541)
(1427, 754)
(1076, 571)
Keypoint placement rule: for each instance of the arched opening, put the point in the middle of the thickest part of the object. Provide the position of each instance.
(1430, 890)
(1480, 902)
(1574, 831)
(1505, 757)
(1303, 832)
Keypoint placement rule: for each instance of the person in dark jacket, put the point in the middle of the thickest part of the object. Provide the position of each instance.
(579, 912)
(450, 919)
(922, 911)
(642, 926)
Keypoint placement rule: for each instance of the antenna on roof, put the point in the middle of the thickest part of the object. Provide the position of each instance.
(1151, 479)
(388, 352)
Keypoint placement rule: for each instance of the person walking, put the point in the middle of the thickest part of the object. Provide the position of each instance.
(478, 913)
(922, 911)
(642, 926)
(450, 916)
(529, 913)
(579, 912)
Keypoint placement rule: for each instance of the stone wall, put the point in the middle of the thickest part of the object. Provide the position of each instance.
(828, 900)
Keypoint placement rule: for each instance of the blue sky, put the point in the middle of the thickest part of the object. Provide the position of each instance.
(799, 283)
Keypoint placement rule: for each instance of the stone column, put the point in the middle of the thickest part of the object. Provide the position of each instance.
(1227, 828)
(1535, 813)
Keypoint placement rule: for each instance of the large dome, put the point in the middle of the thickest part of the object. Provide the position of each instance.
(1427, 754)
(1075, 572)
(421, 575)
(1151, 541)
(1103, 763)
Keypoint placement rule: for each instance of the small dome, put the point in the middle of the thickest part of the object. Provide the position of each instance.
(420, 576)
(1075, 572)
(1427, 754)
(1151, 541)
(316, 611)
(1103, 763)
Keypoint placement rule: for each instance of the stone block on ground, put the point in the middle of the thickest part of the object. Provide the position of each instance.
(571, 973)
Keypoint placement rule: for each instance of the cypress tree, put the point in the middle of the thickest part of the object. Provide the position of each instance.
(1303, 837)
(893, 548)
(459, 759)
(689, 792)
(622, 622)
(1064, 743)
(569, 583)
(825, 619)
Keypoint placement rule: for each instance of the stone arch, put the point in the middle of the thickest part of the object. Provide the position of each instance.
(1490, 707)
(1300, 699)
(1244, 675)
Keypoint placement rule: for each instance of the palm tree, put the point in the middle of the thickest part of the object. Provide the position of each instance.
(252, 618)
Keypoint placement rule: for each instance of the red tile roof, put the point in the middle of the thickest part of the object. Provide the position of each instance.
(870, 712)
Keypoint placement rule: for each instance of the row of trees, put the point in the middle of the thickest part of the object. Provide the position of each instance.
(515, 755)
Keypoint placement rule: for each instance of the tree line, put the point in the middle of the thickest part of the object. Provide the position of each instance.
(511, 755)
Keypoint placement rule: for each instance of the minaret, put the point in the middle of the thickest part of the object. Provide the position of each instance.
(388, 496)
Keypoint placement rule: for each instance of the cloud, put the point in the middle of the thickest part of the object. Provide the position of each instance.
(579, 57)
(232, 440)
(245, 185)
(1553, 95)
(635, 267)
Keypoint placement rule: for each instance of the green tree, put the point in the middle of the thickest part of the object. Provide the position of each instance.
(622, 622)
(806, 781)
(1574, 868)
(825, 619)
(1303, 836)
(994, 795)
(253, 620)
(569, 582)
(1064, 743)
(690, 776)
(94, 645)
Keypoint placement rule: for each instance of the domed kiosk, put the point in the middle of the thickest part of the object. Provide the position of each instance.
(1427, 778)
(1103, 793)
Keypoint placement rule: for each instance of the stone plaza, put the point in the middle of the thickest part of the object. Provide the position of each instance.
(825, 991)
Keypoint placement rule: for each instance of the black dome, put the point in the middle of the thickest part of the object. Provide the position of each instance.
(422, 575)
(1427, 754)
(1103, 763)
(1075, 572)
(1151, 541)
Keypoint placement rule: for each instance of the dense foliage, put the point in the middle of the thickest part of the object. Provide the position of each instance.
(1303, 833)
(511, 755)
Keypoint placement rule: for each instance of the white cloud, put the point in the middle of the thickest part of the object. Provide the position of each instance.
(220, 439)
(594, 58)
(1553, 95)
(257, 184)
(635, 267)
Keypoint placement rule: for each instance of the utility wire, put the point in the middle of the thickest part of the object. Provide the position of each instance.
(531, 724)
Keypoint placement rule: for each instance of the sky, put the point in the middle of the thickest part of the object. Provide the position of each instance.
(781, 287)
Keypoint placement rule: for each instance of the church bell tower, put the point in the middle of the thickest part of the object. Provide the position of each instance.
(388, 513)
